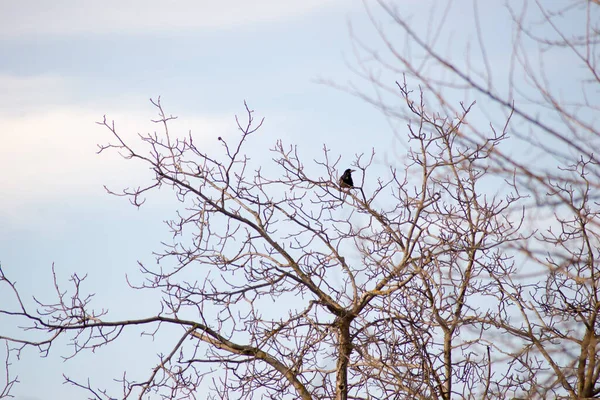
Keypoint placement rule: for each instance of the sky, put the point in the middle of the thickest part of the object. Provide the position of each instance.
(66, 64)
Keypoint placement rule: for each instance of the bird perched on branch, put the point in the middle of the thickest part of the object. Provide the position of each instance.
(346, 179)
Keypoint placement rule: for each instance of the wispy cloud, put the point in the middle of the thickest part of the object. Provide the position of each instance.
(67, 17)
(48, 152)
(20, 94)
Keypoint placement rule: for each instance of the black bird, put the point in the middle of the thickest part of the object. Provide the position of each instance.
(346, 179)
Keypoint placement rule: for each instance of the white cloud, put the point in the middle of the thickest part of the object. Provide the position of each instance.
(48, 151)
(44, 153)
(66, 17)
(20, 94)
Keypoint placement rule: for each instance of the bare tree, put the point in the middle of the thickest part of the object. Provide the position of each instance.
(466, 272)
(549, 333)
(370, 301)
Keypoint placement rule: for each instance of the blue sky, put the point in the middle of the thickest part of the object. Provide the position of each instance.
(67, 63)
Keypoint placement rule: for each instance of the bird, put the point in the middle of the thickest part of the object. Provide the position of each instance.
(346, 179)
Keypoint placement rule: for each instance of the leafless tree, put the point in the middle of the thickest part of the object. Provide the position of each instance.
(369, 300)
(547, 89)
(468, 271)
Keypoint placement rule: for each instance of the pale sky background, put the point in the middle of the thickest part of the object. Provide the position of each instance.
(64, 64)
